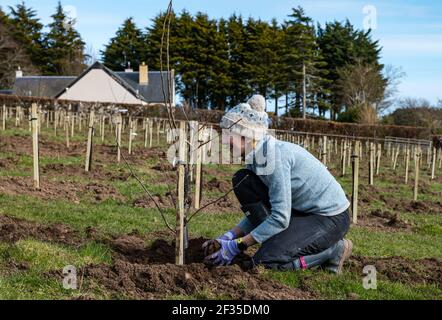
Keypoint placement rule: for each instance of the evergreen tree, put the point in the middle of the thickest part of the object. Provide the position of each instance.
(305, 65)
(260, 57)
(28, 33)
(12, 55)
(341, 45)
(237, 42)
(126, 47)
(277, 71)
(65, 47)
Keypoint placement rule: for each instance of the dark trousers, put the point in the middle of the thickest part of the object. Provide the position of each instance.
(306, 235)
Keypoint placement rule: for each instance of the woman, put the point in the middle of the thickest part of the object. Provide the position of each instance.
(294, 207)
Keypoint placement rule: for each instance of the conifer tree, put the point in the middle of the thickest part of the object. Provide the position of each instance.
(65, 46)
(127, 47)
(28, 33)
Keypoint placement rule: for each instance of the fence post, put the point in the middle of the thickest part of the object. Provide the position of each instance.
(35, 148)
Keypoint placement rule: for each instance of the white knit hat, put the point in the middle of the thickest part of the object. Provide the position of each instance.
(247, 119)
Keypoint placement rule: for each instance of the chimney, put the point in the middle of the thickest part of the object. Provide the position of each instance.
(19, 73)
(128, 69)
(144, 74)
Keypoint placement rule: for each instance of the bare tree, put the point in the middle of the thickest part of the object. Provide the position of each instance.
(393, 75)
(361, 84)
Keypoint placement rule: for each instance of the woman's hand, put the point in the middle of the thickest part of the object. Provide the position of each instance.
(229, 250)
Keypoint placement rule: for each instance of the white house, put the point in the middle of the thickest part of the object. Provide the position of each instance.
(100, 84)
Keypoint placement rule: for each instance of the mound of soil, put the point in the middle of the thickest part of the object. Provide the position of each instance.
(164, 167)
(420, 207)
(228, 204)
(8, 163)
(57, 189)
(14, 229)
(97, 173)
(142, 272)
(399, 269)
(217, 185)
(384, 220)
(147, 202)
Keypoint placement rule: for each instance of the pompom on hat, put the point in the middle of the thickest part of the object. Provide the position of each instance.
(247, 119)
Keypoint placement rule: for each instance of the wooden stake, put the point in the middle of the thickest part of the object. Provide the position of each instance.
(433, 164)
(4, 118)
(407, 163)
(180, 218)
(324, 150)
(131, 128)
(88, 165)
(416, 175)
(150, 132)
(67, 131)
(35, 148)
(199, 167)
(146, 131)
(343, 158)
(118, 131)
(371, 165)
(378, 158)
(355, 185)
(103, 127)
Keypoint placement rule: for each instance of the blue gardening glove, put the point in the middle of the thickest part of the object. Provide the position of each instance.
(211, 246)
(229, 250)
(229, 235)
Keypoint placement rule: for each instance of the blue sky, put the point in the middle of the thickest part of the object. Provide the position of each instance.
(410, 31)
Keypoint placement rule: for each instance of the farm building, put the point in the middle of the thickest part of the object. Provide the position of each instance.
(100, 84)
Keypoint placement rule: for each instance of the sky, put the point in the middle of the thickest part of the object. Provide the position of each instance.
(410, 31)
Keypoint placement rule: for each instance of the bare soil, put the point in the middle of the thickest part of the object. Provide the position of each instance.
(399, 269)
(14, 229)
(72, 191)
(143, 272)
(384, 220)
(98, 172)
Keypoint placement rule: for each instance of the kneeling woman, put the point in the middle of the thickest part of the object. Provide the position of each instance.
(294, 207)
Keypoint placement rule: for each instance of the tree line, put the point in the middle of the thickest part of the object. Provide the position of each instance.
(24, 44)
(302, 67)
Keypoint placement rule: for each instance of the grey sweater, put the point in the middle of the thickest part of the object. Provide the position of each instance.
(296, 181)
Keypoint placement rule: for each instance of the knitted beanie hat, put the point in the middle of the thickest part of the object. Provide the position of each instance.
(247, 119)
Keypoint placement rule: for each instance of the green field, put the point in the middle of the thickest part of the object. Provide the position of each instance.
(30, 264)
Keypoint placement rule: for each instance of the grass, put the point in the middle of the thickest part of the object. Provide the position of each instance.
(39, 258)
(115, 217)
(350, 285)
